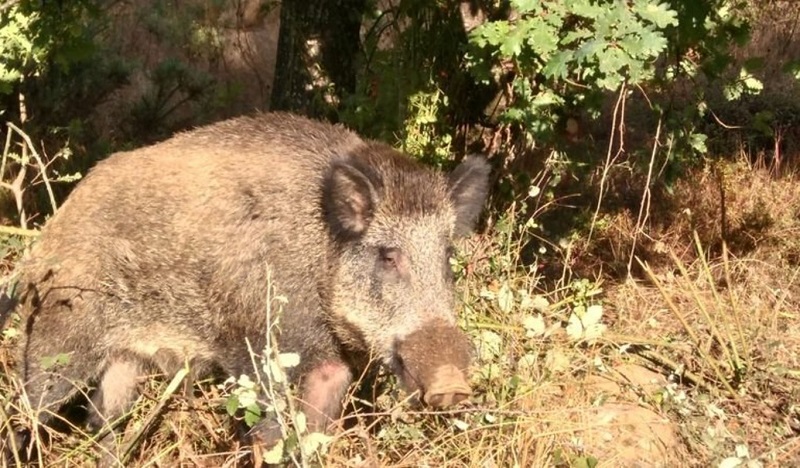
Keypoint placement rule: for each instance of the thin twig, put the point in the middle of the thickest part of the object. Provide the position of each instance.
(644, 206)
(723, 124)
(663, 361)
(6, 152)
(15, 231)
(12, 440)
(616, 124)
(40, 162)
(154, 414)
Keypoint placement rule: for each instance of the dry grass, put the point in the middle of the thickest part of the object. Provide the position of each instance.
(718, 311)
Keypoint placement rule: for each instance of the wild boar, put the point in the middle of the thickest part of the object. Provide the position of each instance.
(163, 254)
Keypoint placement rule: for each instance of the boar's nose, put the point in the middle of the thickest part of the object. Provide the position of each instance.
(447, 388)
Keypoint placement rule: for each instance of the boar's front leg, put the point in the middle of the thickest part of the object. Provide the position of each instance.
(323, 388)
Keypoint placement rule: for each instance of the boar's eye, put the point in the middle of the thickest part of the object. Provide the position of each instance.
(389, 257)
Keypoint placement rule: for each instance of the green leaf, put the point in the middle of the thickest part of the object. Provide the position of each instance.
(792, 67)
(576, 35)
(557, 66)
(574, 328)
(633, 45)
(752, 84)
(534, 325)
(584, 324)
(763, 122)
(540, 36)
(252, 415)
(732, 91)
(50, 362)
(511, 45)
(652, 43)
(245, 382)
(490, 346)
(612, 60)
(300, 423)
(754, 63)
(527, 362)
(460, 424)
(593, 315)
(547, 98)
(585, 462)
(505, 298)
(590, 49)
(493, 33)
(232, 404)
(589, 10)
(11, 333)
(288, 359)
(247, 397)
(314, 442)
(556, 361)
(731, 462)
(698, 142)
(746, 84)
(657, 13)
(275, 371)
(525, 6)
(8, 75)
(541, 303)
(274, 455)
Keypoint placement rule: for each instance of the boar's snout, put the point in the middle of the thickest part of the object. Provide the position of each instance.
(449, 387)
(433, 360)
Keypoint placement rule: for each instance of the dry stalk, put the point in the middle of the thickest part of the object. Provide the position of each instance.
(689, 330)
(617, 126)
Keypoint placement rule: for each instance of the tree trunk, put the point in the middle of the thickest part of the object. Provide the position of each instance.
(318, 47)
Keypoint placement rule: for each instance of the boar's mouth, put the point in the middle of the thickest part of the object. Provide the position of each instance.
(433, 361)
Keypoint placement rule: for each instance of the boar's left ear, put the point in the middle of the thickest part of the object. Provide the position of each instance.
(469, 185)
(349, 197)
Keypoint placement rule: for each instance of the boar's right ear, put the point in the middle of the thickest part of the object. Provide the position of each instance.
(349, 198)
(469, 186)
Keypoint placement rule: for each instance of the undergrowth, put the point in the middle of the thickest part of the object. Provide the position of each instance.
(692, 363)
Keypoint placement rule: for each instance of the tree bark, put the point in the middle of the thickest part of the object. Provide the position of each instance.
(334, 27)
